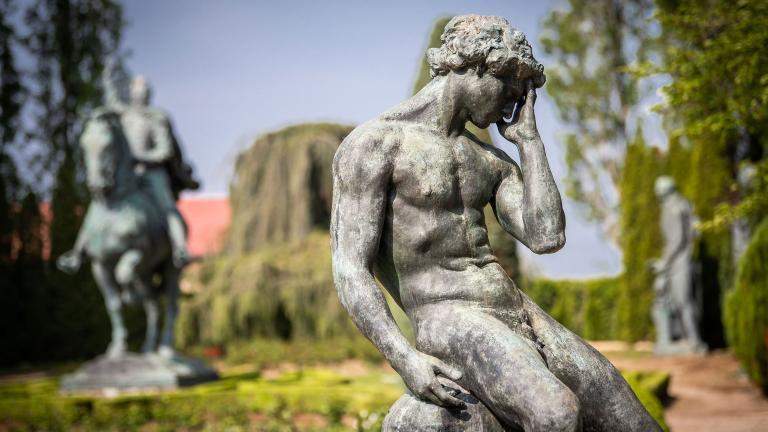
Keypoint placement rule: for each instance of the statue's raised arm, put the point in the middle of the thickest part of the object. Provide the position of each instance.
(113, 96)
(527, 203)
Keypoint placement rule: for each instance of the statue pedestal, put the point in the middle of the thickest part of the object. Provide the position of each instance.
(132, 372)
(410, 414)
(679, 348)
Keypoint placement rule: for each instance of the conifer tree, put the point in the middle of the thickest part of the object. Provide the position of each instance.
(69, 41)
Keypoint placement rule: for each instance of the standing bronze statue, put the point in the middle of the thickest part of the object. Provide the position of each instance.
(134, 237)
(408, 197)
(676, 309)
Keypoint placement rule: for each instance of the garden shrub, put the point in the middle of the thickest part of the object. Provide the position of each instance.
(746, 309)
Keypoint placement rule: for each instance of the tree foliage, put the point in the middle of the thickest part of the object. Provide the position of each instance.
(716, 107)
(49, 315)
(717, 100)
(593, 43)
(11, 100)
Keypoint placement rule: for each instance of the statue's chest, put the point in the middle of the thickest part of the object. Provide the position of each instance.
(448, 174)
(137, 130)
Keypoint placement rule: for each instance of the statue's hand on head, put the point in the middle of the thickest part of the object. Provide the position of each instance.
(69, 262)
(420, 375)
(522, 128)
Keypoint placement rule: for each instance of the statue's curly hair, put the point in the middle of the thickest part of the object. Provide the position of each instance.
(487, 43)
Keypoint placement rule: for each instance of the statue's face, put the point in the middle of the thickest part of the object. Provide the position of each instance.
(490, 98)
(664, 186)
(140, 92)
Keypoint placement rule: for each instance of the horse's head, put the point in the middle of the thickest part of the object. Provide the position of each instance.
(104, 154)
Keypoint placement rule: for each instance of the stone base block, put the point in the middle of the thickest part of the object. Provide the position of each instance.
(679, 348)
(410, 414)
(135, 372)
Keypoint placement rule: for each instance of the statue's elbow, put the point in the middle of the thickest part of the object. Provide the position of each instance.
(549, 244)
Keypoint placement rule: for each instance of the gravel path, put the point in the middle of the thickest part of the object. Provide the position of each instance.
(710, 393)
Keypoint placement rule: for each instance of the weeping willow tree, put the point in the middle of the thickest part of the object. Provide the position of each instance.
(284, 291)
(282, 186)
(274, 278)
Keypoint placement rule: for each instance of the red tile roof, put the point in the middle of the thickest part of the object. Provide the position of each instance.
(207, 221)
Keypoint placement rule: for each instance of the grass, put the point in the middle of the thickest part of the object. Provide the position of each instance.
(320, 389)
(241, 400)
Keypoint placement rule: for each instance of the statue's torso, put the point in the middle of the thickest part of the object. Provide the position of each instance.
(434, 244)
(676, 221)
(139, 124)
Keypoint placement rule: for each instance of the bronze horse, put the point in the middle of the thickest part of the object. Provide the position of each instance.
(124, 236)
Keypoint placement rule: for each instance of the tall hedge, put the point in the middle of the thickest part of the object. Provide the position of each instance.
(640, 240)
(586, 307)
(746, 309)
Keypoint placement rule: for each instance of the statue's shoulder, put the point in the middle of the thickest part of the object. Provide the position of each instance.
(158, 114)
(103, 112)
(377, 134)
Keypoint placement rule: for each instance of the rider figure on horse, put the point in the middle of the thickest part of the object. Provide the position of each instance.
(157, 158)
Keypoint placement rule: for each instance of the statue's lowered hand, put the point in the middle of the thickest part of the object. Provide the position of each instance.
(420, 375)
(69, 262)
(522, 127)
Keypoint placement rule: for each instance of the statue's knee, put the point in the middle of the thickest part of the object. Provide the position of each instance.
(562, 413)
(125, 270)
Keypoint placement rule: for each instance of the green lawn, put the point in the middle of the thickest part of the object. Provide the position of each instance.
(352, 395)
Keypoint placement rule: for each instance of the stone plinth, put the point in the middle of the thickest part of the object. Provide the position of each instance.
(132, 372)
(410, 414)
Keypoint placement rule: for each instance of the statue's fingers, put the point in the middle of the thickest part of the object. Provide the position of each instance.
(530, 98)
(428, 395)
(446, 398)
(446, 370)
(519, 106)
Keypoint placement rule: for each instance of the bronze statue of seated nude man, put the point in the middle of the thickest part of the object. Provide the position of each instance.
(408, 197)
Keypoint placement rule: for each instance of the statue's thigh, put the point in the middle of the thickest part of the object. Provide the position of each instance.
(499, 367)
(607, 401)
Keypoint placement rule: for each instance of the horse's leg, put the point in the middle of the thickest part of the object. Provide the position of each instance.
(126, 273)
(171, 290)
(109, 290)
(151, 311)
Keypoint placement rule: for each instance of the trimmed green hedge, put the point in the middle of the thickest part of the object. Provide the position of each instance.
(240, 401)
(587, 307)
(651, 389)
(746, 309)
